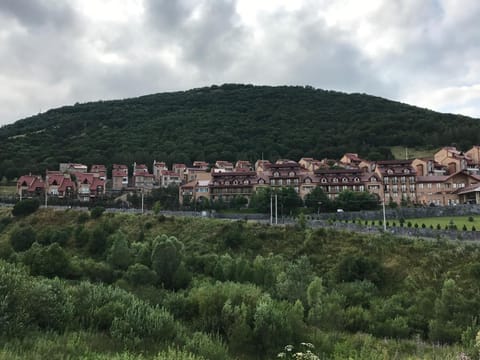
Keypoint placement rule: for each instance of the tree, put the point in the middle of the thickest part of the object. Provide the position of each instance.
(317, 200)
(167, 256)
(22, 238)
(48, 261)
(120, 255)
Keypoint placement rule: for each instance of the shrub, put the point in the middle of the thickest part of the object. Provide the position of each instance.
(25, 207)
(439, 227)
(139, 274)
(96, 212)
(471, 219)
(473, 228)
(22, 238)
(208, 346)
(48, 261)
(424, 226)
(409, 224)
(415, 226)
(83, 217)
(464, 227)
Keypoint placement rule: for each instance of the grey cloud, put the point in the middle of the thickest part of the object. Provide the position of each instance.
(36, 13)
(209, 33)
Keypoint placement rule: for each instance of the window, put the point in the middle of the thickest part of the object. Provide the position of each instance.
(344, 179)
(308, 181)
(276, 174)
(324, 180)
(335, 180)
(291, 173)
(356, 179)
(406, 171)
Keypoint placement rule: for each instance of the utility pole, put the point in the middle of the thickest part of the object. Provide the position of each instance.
(384, 215)
(142, 199)
(46, 198)
(271, 209)
(276, 209)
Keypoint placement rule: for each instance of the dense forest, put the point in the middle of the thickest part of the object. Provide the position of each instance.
(227, 122)
(82, 285)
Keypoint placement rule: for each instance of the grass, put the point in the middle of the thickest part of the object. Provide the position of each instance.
(459, 221)
(399, 152)
(7, 190)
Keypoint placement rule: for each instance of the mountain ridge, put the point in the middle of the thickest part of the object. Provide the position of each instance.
(226, 122)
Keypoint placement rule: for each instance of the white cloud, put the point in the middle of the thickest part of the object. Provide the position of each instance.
(422, 52)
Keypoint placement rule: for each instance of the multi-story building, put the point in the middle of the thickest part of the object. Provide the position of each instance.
(444, 190)
(427, 166)
(228, 185)
(286, 173)
(334, 181)
(142, 179)
(223, 166)
(452, 158)
(119, 177)
(101, 170)
(398, 179)
(158, 167)
(168, 178)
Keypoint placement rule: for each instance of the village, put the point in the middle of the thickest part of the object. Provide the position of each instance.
(450, 177)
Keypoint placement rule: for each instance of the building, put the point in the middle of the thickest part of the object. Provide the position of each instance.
(71, 168)
(226, 186)
(89, 186)
(223, 166)
(427, 166)
(285, 173)
(452, 158)
(100, 170)
(334, 181)
(168, 178)
(142, 179)
(119, 177)
(158, 167)
(398, 179)
(444, 190)
(30, 186)
(60, 185)
(194, 192)
(243, 165)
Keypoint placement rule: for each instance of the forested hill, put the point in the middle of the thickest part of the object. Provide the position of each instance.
(226, 122)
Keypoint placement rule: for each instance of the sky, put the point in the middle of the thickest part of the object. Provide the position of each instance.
(59, 52)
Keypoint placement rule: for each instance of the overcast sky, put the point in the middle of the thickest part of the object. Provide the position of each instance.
(58, 52)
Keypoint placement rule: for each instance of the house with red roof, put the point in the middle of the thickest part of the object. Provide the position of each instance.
(30, 186)
(119, 177)
(168, 178)
(60, 185)
(101, 170)
(89, 186)
(142, 179)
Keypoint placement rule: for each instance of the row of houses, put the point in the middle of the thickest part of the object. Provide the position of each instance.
(449, 177)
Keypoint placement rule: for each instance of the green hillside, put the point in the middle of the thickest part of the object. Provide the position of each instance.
(227, 122)
(151, 287)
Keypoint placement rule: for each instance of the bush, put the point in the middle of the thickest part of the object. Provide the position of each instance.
(424, 226)
(471, 219)
(25, 207)
(48, 261)
(22, 238)
(96, 212)
(473, 228)
(208, 346)
(139, 274)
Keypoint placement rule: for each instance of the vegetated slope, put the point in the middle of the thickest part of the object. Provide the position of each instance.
(226, 122)
(228, 290)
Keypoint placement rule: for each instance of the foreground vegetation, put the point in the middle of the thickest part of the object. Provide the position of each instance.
(125, 286)
(205, 123)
